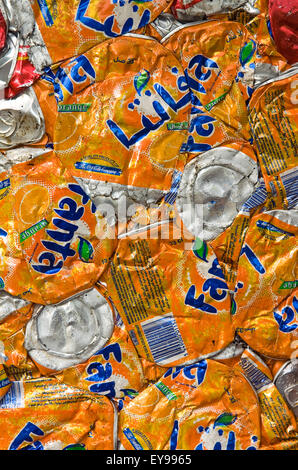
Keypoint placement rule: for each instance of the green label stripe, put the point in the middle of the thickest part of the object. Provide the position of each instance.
(33, 230)
(73, 108)
(289, 284)
(177, 126)
(214, 102)
(166, 391)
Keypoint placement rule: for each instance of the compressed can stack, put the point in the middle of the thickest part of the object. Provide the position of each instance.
(148, 225)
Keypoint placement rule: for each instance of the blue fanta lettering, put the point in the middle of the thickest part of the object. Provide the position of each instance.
(213, 285)
(216, 270)
(140, 83)
(174, 435)
(217, 288)
(25, 436)
(81, 64)
(194, 371)
(81, 71)
(103, 372)
(198, 303)
(202, 62)
(99, 373)
(111, 349)
(107, 26)
(200, 124)
(286, 317)
(67, 209)
(253, 259)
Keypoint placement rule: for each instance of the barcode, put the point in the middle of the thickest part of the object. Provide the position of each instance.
(14, 398)
(257, 198)
(256, 377)
(164, 339)
(133, 337)
(172, 194)
(290, 182)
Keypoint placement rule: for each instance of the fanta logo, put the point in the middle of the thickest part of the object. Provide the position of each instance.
(200, 70)
(217, 288)
(216, 437)
(204, 68)
(80, 72)
(194, 372)
(159, 106)
(286, 318)
(68, 212)
(25, 436)
(133, 20)
(102, 373)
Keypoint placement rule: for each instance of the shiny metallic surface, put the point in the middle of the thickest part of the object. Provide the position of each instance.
(62, 335)
(21, 120)
(9, 304)
(165, 24)
(213, 189)
(8, 59)
(286, 380)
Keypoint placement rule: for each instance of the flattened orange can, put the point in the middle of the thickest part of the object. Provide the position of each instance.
(42, 414)
(18, 364)
(53, 241)
(114, 371)
(165, 289)
(274, 119)
(70, 27)
(266, 300)
(202, 406)
(218, 59)
(278, 423)
(123, 111)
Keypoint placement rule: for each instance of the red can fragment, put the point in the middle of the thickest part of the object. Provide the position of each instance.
(284, 23)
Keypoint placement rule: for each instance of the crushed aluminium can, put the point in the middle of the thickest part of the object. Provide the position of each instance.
(218, 59)
(21, 120)
(192, 10)
(265, 300)
(283, 20)
(285, 381)
(202, 406)
(63, 335)
(70, 27)
(278, 424)
(165, 288)
(123, 110)
(42, 414)
(54, 243)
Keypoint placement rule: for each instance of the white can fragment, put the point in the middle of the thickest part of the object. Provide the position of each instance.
(165, 24)
(8, 59)
(213, 188)
(118, 202)
(21, 120)
(20, 18)
(69, 333)
(191, 11)
(234, 349)
(12, 157)
(286, 382)
(9, 304)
